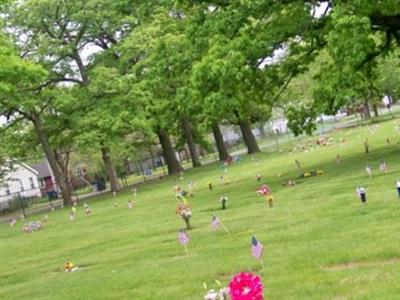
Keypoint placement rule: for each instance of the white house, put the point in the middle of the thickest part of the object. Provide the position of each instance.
(47, 181)
(18, 178)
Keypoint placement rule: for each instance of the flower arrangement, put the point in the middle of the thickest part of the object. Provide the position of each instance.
(223, 201)
(263, 190)
(185, 212)
(270, 200)
(87, 209)
(32, 226)
(221, 294)
(243, 286)
(69, 267)
(312, 173)
(246, 286)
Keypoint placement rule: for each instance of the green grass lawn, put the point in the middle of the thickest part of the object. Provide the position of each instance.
(320, 243)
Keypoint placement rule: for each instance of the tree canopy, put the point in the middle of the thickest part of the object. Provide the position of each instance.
(111, 76)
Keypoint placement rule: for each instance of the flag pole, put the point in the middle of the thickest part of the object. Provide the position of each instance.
(225, 228)
(186, 249)
(262, 264)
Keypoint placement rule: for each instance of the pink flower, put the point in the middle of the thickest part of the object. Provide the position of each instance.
(246, 286)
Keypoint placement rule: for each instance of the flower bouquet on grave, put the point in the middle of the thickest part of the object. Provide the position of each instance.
(243, 286)
(312, 173)
(246, 286)
(223, 201)
(69, 267)
(265, 191)
(289, 183)
(270, 200)
(32, 226)
(221, 294)
(186, 213)
(87, 209)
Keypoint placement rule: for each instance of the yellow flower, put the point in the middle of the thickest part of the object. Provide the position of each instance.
(68, 266)
(307, 174)
(320, 172)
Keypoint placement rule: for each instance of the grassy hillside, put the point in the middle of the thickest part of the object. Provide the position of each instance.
(320, 243)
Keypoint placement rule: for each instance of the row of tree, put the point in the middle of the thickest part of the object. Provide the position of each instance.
(115, 76)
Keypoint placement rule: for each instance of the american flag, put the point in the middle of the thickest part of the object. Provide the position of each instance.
(183, 237)
(256, 248)
(215, 223)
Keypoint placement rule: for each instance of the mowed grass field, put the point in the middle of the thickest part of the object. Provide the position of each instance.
(320, 243)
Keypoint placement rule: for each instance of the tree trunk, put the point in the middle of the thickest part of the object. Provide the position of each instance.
(187, 130)
(367, 113)
(187, 155)
(61, 179)
(169, 153)
(219, 142)
(180, 156)
(110, 170)
(375, 108)
(63, 162)
(248, 137)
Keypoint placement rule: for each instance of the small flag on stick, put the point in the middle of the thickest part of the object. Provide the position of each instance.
(383, 167)
(257, 250)
(183, 239)
(215, 223)
(369, 171)
(362, 194)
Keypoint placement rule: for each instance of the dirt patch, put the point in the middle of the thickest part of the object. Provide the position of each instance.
(354, 265)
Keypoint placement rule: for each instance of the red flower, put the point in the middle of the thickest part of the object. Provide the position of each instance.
(246, 286)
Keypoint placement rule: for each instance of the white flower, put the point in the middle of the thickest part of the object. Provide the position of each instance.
(222, 294)
(211, 295)
(223, 199)
(186, 212)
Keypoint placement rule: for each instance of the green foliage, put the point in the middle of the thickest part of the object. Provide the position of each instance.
(301, 119)
(108, 113)
(18, 97)
(155, 64)
(389, 75)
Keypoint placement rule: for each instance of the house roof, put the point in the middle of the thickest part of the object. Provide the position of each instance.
(11, 161)
(34, 171)
(43, 169)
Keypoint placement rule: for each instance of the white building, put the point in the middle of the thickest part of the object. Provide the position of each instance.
(18, 178)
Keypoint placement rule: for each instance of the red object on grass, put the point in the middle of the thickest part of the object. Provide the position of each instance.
(264, 190)
(246, 286)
